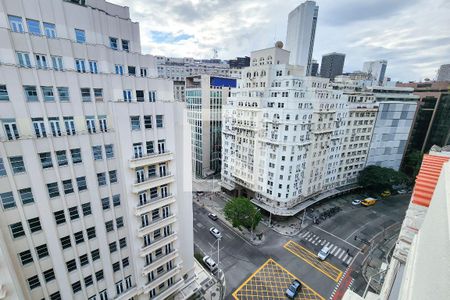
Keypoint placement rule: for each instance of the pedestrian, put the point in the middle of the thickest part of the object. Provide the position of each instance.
(348, 251)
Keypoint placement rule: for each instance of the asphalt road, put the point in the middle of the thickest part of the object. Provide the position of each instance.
(239, 259)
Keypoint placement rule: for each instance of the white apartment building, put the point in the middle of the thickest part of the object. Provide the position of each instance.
(95, 179)
(205, 96)
(376, 70)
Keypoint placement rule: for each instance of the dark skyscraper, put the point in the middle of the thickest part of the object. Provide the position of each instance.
(314, 68)
(332, 65)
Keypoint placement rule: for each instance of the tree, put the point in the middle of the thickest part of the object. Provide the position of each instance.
(413, 161)
(242, 213)
(377, 179)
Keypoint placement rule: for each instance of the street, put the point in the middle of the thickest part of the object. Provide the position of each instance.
(297, 255)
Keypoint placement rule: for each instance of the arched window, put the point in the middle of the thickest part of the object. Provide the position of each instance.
(249, 75)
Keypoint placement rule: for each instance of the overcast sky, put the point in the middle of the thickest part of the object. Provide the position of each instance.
(413, 35)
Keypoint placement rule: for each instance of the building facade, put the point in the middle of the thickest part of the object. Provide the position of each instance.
(332, 65)
(94, 185)
(239, 62)
(376, 70)
(301, 32)
(444, 73)
(205, 96)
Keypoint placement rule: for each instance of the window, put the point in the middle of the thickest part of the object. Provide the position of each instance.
(93, 67)
(99, 275)
(81, 183)
(113, 176)
(105, 203)
(159, 121)
(24, 59)
(17, 164)
(86, 208)
(109, 150)
(76, 287)
(143, 72)
(25, 257)
(63, 93)
(39, 127)
(80, 36)
(76, 156)
(49, 275)
(125, 45)
(119, 222)
(88, 280)
(2, 168)
(57, 63)
(98, 94)
(71, 265)
(50, 30)
(84, 260)
(60, 217)
(97, 152)
(135, 122)
(33, 282)
(73, 212)
(42, 251)
(128, 283)
(53, 190)
(116, 266)
(119, 286)
(101, 178)
(34, 224)
(127, 95)
(16, 24)
(80, 65)
(113, 247)
(54, 125)
(86, 94)
(34, 27)
(79, 238)
(91, 232)
(113, 43)
(65, 242)
(123, 243)
(95, 254)
(70, 125)
(137, 149)
(3, 93)
(119, 69)
(7, 200)
(116, 200)
(30, 93)
(125, 262)
(68, 187)
(62, 158)
(26, 196)
(17, 230)
(150, 148)
(90, 123)
(109, 226)
(148, 122)
(151, 96)
(47, 93)
(41, 61)
(139, 95)
(103, 123)
(131, 70)
(10, 127)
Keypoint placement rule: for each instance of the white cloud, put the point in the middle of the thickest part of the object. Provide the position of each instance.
(413, 35)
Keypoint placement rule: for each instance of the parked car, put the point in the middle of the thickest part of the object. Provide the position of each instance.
(401, 192)
(215, 232)
(369, 202)
(356, 202)
(293, 289)
(210, 263)
(212, 216)
(386, 193)
(323, 253)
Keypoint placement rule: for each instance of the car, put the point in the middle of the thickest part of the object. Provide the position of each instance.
(215, 232)
(212, 216)
(356, 202)
(386, 193)
(293, 289)
(323, 253)
(369, 201)
(210, 263)
(401, 192)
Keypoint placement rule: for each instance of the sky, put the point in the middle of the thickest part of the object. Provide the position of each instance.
(413, 35)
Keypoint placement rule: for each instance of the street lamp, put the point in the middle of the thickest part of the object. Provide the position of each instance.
(253, 220)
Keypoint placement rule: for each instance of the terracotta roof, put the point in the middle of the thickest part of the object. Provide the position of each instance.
(427, 179)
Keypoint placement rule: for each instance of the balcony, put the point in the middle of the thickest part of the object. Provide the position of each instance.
(161, 222)
(162, 278)
(159, 262)
(158, 244)
(150, 159)
(151, 182)
(153, 204)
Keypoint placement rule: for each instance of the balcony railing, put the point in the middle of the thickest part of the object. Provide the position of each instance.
(154, 203)
(160, 222)
(160, 279)
(153, 181)
(161, 260)
(158, 243)
(150, 159)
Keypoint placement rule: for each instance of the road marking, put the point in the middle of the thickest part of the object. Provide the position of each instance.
(337, 237)
(361, 228)
(195, 229)
(228, 236)
(337, 252)
(349, 259)
(311, 258)
(345, 257)
(342, 254)
(309, 239)
(323, 242)
(334, 249)
(327, 244)
(305, 234)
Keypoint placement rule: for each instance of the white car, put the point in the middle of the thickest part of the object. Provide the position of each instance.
(323, 253)
(356, 202)
(215, 232)
(210, 263)
(402, 192)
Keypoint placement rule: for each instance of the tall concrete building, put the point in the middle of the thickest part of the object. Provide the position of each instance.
(444, 73)
(314, 68)
(205, 96)
(376, 70)
(332, 65)
(95, 172)
(301, 31)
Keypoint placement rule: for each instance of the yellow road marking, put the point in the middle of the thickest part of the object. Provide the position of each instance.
(270, 281)
(311, 258)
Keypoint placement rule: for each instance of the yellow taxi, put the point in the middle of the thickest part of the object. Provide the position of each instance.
(386, 193)
(369, 202)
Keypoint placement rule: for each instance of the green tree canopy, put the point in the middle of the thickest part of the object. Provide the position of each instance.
(242, 213)
(377, 179)
(412, 163)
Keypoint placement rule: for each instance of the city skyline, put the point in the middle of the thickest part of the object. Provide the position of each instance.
(396, 31)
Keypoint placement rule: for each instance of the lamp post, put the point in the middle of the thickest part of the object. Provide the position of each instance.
(253, 220)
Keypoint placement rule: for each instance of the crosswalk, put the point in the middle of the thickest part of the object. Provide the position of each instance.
(335, 250)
